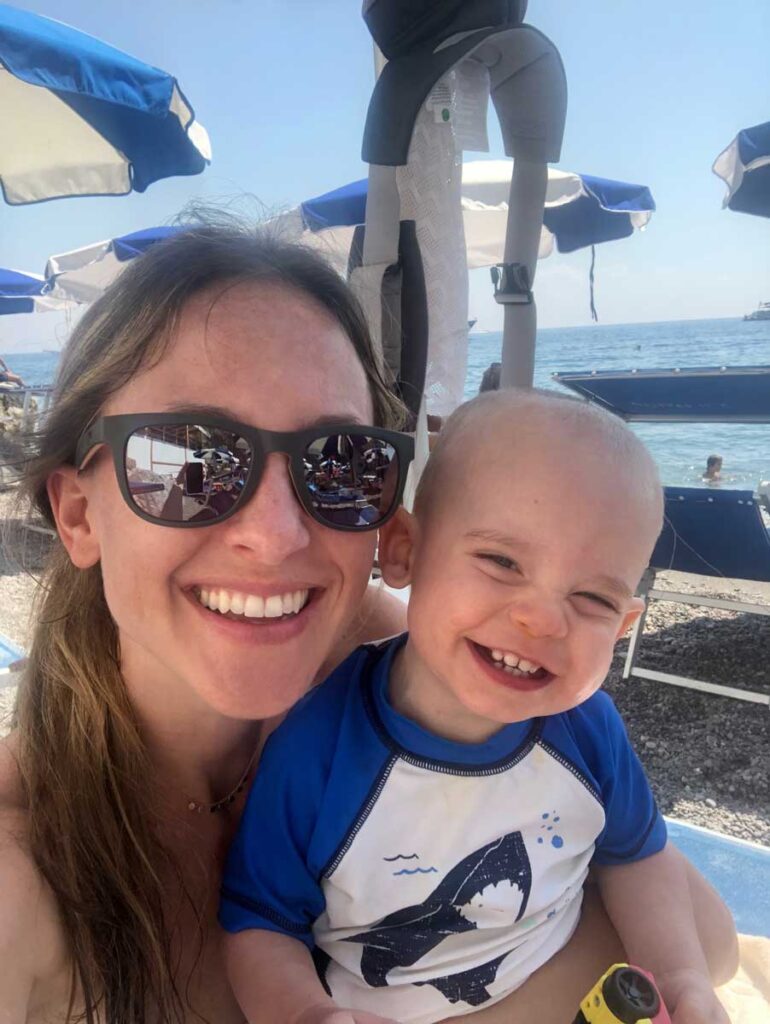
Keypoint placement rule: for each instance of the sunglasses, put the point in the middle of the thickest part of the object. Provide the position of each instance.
(176, 470)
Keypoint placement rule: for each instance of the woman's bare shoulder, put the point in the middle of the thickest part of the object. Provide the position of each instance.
(32, 951)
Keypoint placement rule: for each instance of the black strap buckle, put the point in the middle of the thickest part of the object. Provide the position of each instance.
(512, 284)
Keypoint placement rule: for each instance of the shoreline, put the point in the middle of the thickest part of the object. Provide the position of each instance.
(706, 756)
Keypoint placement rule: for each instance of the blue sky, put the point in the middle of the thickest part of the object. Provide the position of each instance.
(656, 90)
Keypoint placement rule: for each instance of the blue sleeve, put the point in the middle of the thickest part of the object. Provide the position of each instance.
(268, 881)
(634, 827)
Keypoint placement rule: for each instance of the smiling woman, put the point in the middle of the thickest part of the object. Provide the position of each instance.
(216, 462)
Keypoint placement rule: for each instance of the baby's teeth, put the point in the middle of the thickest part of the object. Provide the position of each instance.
(254, 607)
(204, 598)
(511, 660)
(224, 601)
(497, 655)
(526, 666)
(237, 603)
(287, 604)
(296, 601)
(214, 600)
(274, 606)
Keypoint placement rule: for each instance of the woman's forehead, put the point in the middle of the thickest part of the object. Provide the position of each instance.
(267, 352)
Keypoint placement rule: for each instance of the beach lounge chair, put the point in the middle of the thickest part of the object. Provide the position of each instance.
(707, 532)
(10, 656)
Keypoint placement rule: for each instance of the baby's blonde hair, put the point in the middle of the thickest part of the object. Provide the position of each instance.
(526, 413)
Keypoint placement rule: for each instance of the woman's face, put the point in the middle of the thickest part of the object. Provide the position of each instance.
(266, 355)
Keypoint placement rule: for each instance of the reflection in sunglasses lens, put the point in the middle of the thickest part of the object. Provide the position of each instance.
(185, 474)
(351, 479)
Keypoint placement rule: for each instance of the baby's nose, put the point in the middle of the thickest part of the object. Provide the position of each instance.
(539, 614)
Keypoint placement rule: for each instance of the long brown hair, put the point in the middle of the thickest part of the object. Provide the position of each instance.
(82, 759)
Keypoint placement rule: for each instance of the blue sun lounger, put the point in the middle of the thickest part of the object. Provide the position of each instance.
(9, 653)
(708, 531)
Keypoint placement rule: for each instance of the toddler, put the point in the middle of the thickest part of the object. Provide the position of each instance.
(419, 833)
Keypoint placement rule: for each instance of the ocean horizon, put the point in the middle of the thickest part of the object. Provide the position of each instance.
(680, 450)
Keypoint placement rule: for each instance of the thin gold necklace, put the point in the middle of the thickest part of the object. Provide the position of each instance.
(220, 805)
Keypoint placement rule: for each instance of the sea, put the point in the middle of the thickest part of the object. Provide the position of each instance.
(680, 449)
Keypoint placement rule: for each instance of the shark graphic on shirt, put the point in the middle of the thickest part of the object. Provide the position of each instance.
(404, 937)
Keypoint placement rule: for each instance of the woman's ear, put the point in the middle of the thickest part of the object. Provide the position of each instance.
(69, 503)
(396, 549)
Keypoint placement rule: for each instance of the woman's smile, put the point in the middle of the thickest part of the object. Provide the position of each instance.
(239, 605)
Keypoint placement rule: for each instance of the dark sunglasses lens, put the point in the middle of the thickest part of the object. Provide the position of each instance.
(352, 479)
(186, 474)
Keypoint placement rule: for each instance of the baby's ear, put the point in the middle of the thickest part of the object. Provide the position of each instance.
(396, 547)
(634, 610)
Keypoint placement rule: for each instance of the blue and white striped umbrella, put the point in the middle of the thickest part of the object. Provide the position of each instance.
(580, 211)
(83, 274)
(26, 293)
(745, 168)
(79, 118)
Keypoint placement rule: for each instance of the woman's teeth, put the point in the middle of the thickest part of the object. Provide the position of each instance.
(514, 664)
(252, 606)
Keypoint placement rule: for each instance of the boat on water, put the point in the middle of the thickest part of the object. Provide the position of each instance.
(762, 312)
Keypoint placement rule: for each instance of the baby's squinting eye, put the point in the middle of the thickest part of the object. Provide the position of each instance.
(598, 600)
(501, 560)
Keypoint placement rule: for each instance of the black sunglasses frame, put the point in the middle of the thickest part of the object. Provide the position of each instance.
(115, 432)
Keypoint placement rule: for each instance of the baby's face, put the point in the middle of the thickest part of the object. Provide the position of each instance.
(523, 577)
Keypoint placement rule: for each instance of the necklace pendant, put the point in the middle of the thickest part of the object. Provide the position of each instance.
(191, 806)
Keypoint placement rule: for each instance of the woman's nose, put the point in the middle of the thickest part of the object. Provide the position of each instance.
(272, 525)
(539, 614)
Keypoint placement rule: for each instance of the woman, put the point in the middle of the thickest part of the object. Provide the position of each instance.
(162, 652)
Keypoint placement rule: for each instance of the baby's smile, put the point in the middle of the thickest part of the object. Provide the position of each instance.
(512, 664)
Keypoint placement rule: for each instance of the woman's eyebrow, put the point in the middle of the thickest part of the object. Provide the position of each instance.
(215, 410)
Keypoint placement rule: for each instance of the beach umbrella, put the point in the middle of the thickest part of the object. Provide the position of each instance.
(81, 118)
(83, 274)
(581, 210)
(745, 168)
(26, 293)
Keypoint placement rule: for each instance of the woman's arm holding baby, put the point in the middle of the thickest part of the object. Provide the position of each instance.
(651, 906)
(275, 982)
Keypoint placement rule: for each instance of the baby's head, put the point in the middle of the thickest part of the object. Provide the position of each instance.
(533, 523)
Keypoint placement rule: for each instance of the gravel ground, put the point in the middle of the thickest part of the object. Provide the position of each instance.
(708, 757)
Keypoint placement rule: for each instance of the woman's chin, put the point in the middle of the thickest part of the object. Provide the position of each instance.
(240, 696)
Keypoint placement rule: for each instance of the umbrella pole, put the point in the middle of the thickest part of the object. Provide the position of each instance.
(522, 240)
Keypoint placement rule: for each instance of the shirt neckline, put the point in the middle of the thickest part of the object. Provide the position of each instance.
(427, 746)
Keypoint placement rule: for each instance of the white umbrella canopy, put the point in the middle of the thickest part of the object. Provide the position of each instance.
(26, 293)
(580, 210)
(83, 274)
(79, 117)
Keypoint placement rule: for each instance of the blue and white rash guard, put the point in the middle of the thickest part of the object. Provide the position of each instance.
(430, 877)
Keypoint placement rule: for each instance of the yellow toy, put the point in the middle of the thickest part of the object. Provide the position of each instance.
(623, 995)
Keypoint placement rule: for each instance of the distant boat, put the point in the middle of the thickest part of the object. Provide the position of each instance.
(471, 323)
(762, 312)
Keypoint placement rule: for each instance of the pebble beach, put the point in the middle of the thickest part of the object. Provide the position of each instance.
(707, 756)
